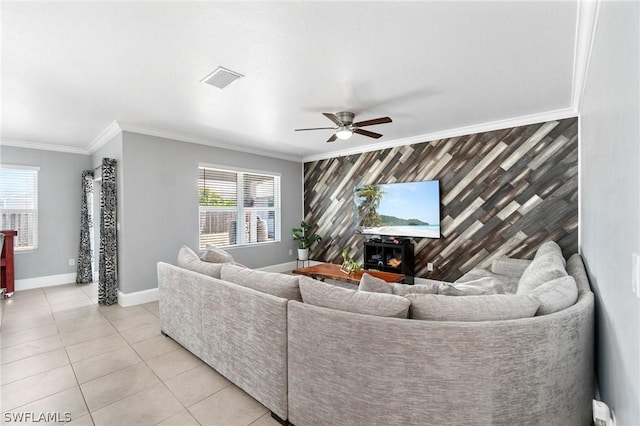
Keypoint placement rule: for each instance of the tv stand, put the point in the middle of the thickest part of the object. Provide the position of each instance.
(390, 257)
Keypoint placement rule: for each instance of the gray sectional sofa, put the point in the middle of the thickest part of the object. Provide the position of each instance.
(317, 365)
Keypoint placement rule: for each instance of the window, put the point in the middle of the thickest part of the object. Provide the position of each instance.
(238, 207)
(19, 204)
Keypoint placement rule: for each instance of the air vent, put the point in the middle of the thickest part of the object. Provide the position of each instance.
(221, 77)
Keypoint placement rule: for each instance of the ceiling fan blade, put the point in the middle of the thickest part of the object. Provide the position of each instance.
(315, 128)
(332, 138)
(372, 122)
(333, 118)
(367, 133)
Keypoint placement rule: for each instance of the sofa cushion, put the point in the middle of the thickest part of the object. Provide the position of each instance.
(281, 285)
(471, 308)
(481, 286)
(188, 259)
(403, 289)
(215, 255)
(509, 283)
(544, 268)
(317, 293)
(556, 295)
(374, 284)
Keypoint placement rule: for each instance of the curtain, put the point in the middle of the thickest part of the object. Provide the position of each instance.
(108, 283)
(85, 253)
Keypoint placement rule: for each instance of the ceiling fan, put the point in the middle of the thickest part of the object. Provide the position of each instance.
(346, 127)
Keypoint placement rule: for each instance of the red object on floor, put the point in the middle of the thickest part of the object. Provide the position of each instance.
(6, 263)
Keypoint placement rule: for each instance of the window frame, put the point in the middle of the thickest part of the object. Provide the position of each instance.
(36, 192)
(240, 209)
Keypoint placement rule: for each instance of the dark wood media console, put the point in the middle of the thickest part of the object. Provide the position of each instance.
(390, 257)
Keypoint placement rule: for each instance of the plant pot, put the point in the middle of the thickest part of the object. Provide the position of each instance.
(303, 254)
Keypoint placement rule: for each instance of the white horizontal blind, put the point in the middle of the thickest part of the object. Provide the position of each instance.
(19, 204)
(238, 207)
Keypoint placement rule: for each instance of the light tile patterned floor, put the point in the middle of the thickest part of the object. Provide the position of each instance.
(106, 365)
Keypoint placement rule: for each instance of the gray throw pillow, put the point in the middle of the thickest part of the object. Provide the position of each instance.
(317, 293)
(215, 255)
(509, 284)
(188, 259)
(404, 289)
(556, 295)
(374, 284)
(543, 268)
(471, 308)
(550, 247)
(481, 286)
(281, 285)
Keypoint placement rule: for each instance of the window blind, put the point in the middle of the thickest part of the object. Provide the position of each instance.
(19, 204)
(238, 207)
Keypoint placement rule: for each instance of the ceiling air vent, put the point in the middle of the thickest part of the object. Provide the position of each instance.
(221, 77)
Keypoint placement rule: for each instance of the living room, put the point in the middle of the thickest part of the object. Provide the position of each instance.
(587, 162)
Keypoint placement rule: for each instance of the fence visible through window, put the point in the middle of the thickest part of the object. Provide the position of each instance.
(19, 204)
(237, 208)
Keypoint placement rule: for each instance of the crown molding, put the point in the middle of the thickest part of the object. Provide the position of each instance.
(42, 146)
(451, 133)
(202, 141)
(105, 136)
(586, 24)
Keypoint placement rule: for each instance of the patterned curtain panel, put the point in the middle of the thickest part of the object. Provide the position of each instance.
(108, 285)
(85, 254)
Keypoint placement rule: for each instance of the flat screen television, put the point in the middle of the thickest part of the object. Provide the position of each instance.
(407, 209)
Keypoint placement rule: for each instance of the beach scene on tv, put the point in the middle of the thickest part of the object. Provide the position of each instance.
(407, 209)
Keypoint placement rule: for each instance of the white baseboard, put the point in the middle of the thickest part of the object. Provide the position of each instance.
(47, 281)
(137, 298)
(281, 267)
(287, 266)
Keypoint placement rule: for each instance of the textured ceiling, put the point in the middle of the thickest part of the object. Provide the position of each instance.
(70, 69)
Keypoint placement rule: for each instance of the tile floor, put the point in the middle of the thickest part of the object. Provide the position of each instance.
(64, 355)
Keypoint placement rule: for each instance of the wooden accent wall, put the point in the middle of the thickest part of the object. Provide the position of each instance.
(502, 193)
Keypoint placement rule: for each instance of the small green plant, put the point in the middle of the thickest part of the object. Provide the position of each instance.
(304, 236)
(349, 265)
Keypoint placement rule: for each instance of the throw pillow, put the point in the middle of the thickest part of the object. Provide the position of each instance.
(543, 268)
(509, 284)
(188, 259)
(404, 289)
(550, 247)
(281, 285)
(471, 308)
(374, 284)
(317, 293)
(556, 295)
(481, 286)
(215, 255)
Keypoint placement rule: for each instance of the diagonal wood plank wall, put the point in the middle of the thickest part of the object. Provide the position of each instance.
(502, 193)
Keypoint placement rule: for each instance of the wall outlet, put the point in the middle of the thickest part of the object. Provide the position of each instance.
(72, 262)
(429, 266)
(290, 252)
(602, 414)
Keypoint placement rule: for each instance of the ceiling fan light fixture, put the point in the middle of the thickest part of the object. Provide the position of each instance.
(344, 133)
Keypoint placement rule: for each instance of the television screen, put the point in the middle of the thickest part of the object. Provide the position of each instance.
(407, 209)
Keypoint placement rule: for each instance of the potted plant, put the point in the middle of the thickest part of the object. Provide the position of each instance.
(305, 239)
(349, 265)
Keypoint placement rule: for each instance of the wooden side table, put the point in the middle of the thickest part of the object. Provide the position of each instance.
(6, 263)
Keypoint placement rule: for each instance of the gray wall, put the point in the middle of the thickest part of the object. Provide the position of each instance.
(610, 202)
(59, 193)
(160, 205)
